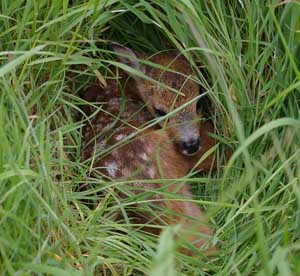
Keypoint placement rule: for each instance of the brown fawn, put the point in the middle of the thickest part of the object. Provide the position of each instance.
(121, 152)
(175, 72)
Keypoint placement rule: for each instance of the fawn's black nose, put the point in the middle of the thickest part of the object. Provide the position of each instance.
(190, 147)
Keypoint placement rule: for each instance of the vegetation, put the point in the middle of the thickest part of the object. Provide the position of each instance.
(246, 55)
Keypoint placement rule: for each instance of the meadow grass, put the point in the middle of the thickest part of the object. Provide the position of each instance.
(245, 55)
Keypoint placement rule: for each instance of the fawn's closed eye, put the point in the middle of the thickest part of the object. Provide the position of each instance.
(159, 112)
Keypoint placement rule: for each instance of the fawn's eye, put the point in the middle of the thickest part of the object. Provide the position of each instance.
(204, 105)
(159, 112)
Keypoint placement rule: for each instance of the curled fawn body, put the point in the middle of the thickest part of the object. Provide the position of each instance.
(152, 154)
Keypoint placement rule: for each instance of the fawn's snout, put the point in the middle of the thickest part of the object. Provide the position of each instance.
(189, 147)
(188, 140)
(186, 131)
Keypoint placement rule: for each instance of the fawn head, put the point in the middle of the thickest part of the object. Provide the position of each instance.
(174, 72)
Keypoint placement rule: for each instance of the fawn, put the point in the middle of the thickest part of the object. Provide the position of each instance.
(153, 154)
(175, 72)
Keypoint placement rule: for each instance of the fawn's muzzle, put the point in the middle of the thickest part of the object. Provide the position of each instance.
(190, 147)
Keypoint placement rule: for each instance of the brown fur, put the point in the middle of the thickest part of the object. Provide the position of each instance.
(152, 154)
(149, 156)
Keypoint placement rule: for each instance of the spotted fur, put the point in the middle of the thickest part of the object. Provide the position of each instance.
(150, 155)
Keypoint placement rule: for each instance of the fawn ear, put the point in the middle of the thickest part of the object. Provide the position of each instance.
(128, 57)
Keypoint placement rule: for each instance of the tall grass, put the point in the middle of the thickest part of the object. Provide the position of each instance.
(246, 55)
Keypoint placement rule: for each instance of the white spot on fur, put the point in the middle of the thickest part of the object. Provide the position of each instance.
(152, 172)
(144, 156)
(120, 137)
(107, 127)
(112, 169)
(114, 102)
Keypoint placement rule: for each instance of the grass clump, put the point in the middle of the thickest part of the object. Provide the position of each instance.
(50, 50)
